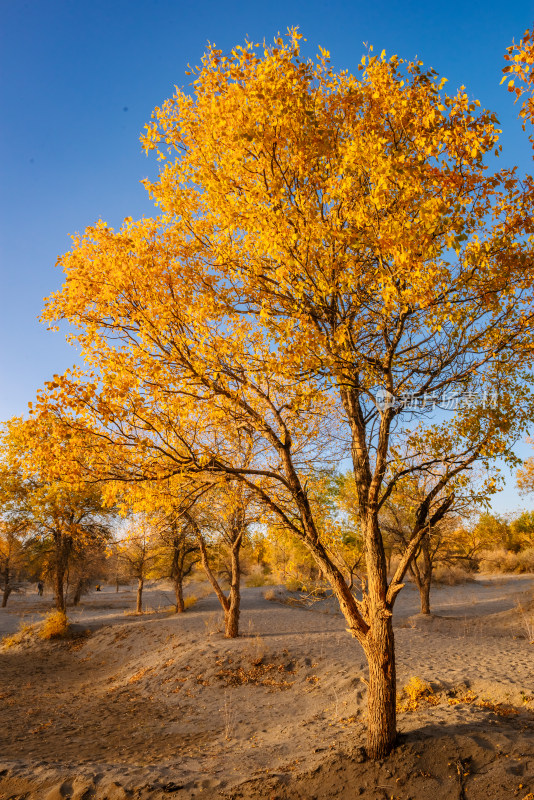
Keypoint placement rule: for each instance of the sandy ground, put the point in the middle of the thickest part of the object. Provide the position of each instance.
(162, 705)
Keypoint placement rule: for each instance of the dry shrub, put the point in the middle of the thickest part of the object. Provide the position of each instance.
(55, 626)
(501, 560)
(451, 576)
(256, 651)
(190, 601)
(416, 692)
(258, 579)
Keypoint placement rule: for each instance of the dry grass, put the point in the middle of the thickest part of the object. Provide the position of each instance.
(24, 633)
(54, 626)
(214, 623)
(451, 576)
(258, 674)
(527, 622)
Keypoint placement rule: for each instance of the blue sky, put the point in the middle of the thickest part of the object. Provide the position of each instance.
(79, 81)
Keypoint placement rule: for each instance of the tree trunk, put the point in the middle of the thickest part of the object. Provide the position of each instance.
(422, 574)
(63, 546)
(381, 704)
(231, 616)
(78, 591)
(59, 596)
(139, 606)
(5, 596)
(7, 587)
(424, 591)
(177, 574)
(379, 646)
(179, 594)
(231, 604)
(427, 575)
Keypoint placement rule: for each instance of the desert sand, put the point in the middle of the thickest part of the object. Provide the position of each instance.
(162, 705)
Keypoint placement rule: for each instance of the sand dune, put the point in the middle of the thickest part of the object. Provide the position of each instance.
(163, 705)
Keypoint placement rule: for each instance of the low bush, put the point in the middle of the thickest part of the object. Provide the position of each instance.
(501, 560)
(55, 626)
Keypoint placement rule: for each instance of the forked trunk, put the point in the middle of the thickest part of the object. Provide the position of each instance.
(230, 604)
(139, 605)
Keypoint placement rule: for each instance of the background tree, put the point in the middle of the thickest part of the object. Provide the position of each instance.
(65, 515)
(440, 543)
(332, 260)
(180, 541)
(226, 516)
(12, 532)
(522, 530)
(140, 550)
(87, 562)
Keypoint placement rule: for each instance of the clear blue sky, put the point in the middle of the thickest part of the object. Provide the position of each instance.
(79, 80)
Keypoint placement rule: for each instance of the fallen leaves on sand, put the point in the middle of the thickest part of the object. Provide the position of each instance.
(257, 674)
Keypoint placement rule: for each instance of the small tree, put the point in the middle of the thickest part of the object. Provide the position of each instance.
(140, 550)
(180, 540)
(225, 517)
(87, 562)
